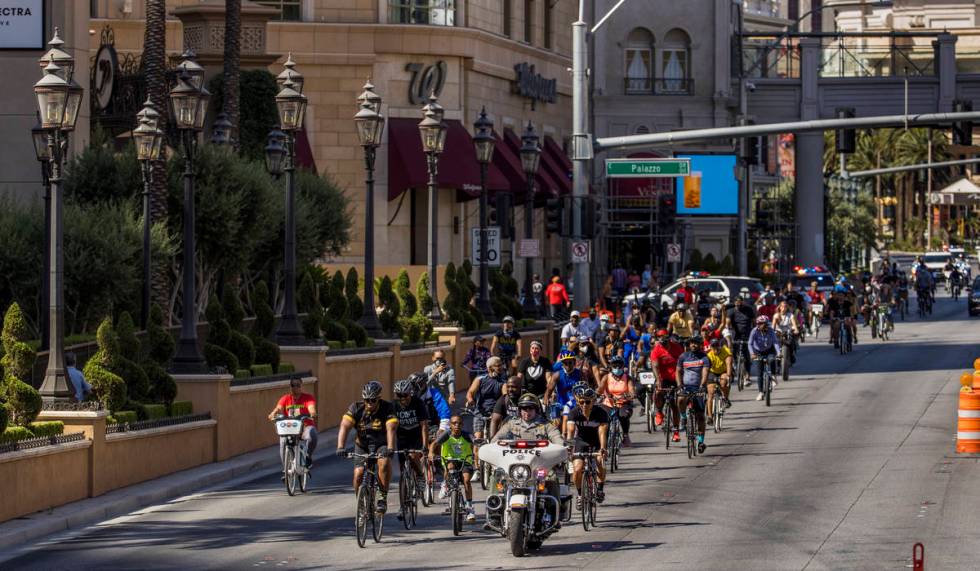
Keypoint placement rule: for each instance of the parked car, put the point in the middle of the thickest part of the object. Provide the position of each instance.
(719, 287)
(973, 298)
(803, 276)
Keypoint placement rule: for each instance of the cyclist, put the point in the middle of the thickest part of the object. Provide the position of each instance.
(530, 424)
(618, 389)
(298, 403)
(924, 282)
(506, 343)
(740, 320)
(631, 338)
(376, 431)
(611, 346)
(535, 369)
(712, 326)
(483, 394)
(692, 370)
(572, 327)
(664, 359)
(681, 322)
(506, 405)
(475, 361)
(785, 322)
(703, 305)
(590, 423)
(559, 396)
(764, 345)
(456, 446)
(442, 376)
(839, 308)
(413, 424)
(816, 296)
(719, 373)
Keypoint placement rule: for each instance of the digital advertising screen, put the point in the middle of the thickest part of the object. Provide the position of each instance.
(712, 188)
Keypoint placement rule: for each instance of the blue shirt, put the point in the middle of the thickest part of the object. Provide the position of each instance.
(563, 388)
(436, 404)
(78, 382)
(760, 342)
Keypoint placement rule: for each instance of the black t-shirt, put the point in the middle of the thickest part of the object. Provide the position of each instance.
(840, 307)
(704, 306)
(488, 392)
(588, 428)
(507, 342)
(371, 427)
(534, 374)
(506, 406)
(742, 321)
(410, 417)
(663, 317)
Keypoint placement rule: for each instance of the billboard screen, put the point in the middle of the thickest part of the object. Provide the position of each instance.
(715, 193)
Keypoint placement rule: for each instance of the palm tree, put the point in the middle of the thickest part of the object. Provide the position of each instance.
(913, 148)
(233, 54)
(154, 64)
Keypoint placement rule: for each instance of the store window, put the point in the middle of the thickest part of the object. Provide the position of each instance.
(508, 16)
(529, 21)
(675, 66)
(639, 61)
(289, 10)
(428, 12)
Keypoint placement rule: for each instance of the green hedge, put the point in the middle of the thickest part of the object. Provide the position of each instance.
(154, 411)
(242, 374)
(15, 433)
(261, 370)
(335, 344)
(181, 408)
(122, 416)
(286, 368)
(47, 428)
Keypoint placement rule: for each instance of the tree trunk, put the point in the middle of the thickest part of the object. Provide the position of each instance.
(233, 54)
(155, 71)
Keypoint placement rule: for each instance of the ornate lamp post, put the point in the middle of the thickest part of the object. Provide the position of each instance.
(221, 131)
(530, 158)
(275, 153)
(149, 146)
(189, 103)
(291, 104)
(43, 153)
(370, 125)
(58, 99)
(484, 143)
(433, 132)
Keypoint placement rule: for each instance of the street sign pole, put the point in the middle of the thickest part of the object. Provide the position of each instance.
(582, 146)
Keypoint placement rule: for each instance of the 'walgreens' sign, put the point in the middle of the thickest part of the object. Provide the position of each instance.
(22, 24)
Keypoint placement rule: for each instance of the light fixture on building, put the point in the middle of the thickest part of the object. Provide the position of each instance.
(290, 74)
(292, 107)
(484, 143)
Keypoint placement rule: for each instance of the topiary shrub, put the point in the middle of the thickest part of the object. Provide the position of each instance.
(155, 411)
(138, 407)
(334, 345)
(234, 313)
(47, 428)
(266, 352)
(163, 388)
(23, 399)
(390, 307)
(261, 370)
(220, 359)
(355, 307)
(242, 347)
(285, 368)
(123, 417)
(243, 374)
(160, 345)
(410, 330)
(218, 329)
(265, 317)
(129, 344)
(333, 330)
(308, 302)
(18, 357)
(108, 386)
(135, 377)
(403, 289)
(422, 294)
(355, 332)
(15, 433)
(181, 408)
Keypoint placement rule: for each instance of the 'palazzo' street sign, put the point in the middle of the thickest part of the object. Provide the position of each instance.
(645, 168)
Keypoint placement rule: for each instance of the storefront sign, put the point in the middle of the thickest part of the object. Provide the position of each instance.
(22, 24)
(533, 86)
(426, 80)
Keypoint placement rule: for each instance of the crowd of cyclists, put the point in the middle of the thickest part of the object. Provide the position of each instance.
(671, 367)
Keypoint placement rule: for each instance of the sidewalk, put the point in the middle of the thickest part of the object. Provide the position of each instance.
(125, 500)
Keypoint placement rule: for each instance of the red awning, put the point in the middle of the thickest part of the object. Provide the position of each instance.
(545, 184)
(304, 153)
(551, 155)
(458, 168)
(509, 164)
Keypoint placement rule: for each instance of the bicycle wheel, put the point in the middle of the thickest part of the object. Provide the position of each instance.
(362, 515)
(716, 405)
(456, 510)
(404, 495)
(651, 415)
(291, 477)
(594, 500)
(784, 365)
(377, 521)
(428, 494)
(586, 498)
(768, 381)
(668, 421)
(741, 372)
(689, 430)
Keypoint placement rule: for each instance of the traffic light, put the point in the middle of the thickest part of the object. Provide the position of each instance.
(962, 130)
(846, 138)
(763, 217)
(749, 150)
(554, 216)
(500, 214)
(590, 218)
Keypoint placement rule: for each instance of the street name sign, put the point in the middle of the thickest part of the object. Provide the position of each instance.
(646, 168)
(493, 246)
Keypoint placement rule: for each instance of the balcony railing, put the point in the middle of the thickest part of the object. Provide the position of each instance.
(431, 12)
(658, 86)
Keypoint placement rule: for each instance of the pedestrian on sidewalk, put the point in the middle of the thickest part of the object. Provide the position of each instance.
(80, 386)
(557, 296)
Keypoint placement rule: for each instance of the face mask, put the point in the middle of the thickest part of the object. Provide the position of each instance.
(617, 372)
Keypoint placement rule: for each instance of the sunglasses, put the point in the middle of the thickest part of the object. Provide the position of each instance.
(403, 395)
(370, 401)
(585, 402)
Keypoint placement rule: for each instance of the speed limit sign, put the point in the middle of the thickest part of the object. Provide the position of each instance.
(493, 246)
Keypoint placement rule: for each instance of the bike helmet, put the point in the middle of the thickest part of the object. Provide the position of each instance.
(761, 319)
(528, 399)
(565, 356)
(714, 341)
(418, 380)
(583, 392)
(662, 333)
(617, 360)
(404, 387)
(371, 390)
(696, 340)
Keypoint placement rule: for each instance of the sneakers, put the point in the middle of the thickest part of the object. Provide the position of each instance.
(643, 411)
(760, 396)
(470, 515)
(775, 383)
(600, 495)
(443, 491)
(676, 437)
(626, 442)
(658, 419)
(382, 504)
(728, 403)
(701, 447)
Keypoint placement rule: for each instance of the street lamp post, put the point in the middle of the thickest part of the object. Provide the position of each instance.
(530, 159)
(59, 99)
(43, 154)
(484, 143)
(370, 125)
(189, 102)
(433, 132)
(149, 145)
(291, 105)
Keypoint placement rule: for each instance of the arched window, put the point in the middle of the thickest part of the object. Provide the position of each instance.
(639, 61)
(675, 63)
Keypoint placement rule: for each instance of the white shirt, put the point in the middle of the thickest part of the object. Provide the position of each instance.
(568, 330)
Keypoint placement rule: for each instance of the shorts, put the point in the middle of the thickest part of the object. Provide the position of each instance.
(698, 401)
(410, 441)
(579, 446)
(467, 466)
(480, 424)
(372, 447)
(714, 379)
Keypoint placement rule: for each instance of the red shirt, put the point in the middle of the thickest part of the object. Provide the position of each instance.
(768, 310)
(295, 406)
(666, 358)
(685, 294)
(815, 296)
(556, 294)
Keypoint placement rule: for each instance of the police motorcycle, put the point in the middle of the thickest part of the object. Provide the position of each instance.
(527, 504)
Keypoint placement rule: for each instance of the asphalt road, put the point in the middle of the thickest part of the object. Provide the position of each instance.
(849, 468)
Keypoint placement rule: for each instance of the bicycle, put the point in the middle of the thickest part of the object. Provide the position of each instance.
(615, 440)
(884, 321)
(648, 379)
(738, 364)
(454, 487)
(717, 405)
(408, 488)
(787, 341)
(483, 471)
(767, 378)
(816, 319)
(367, 492)
(690, 423)
(845, 338)
(295, 457)
(590, 488)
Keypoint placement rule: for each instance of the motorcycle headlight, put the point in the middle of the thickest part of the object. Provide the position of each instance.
(520, 472)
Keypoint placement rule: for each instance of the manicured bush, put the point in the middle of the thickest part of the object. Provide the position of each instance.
(261, 370)
(242, 347)
(231, 303)
(47, 428)
(219, 358)
(137, 407)
(123, 416)
(391, 308)
(356, 332)
(308, 301)
(285, 368)
(163, 388)
(135, 377)
(15, 433)
(243, 373)
(335, 345)
(350, 345)
(154, 411)
(160, 345)
(181, 408)
(422, 294)
(355, 307)
(266, 351)
(218, 328)
(333, 330)
(23, 400)
(265, 318)
(129, 344)
(403, 289)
